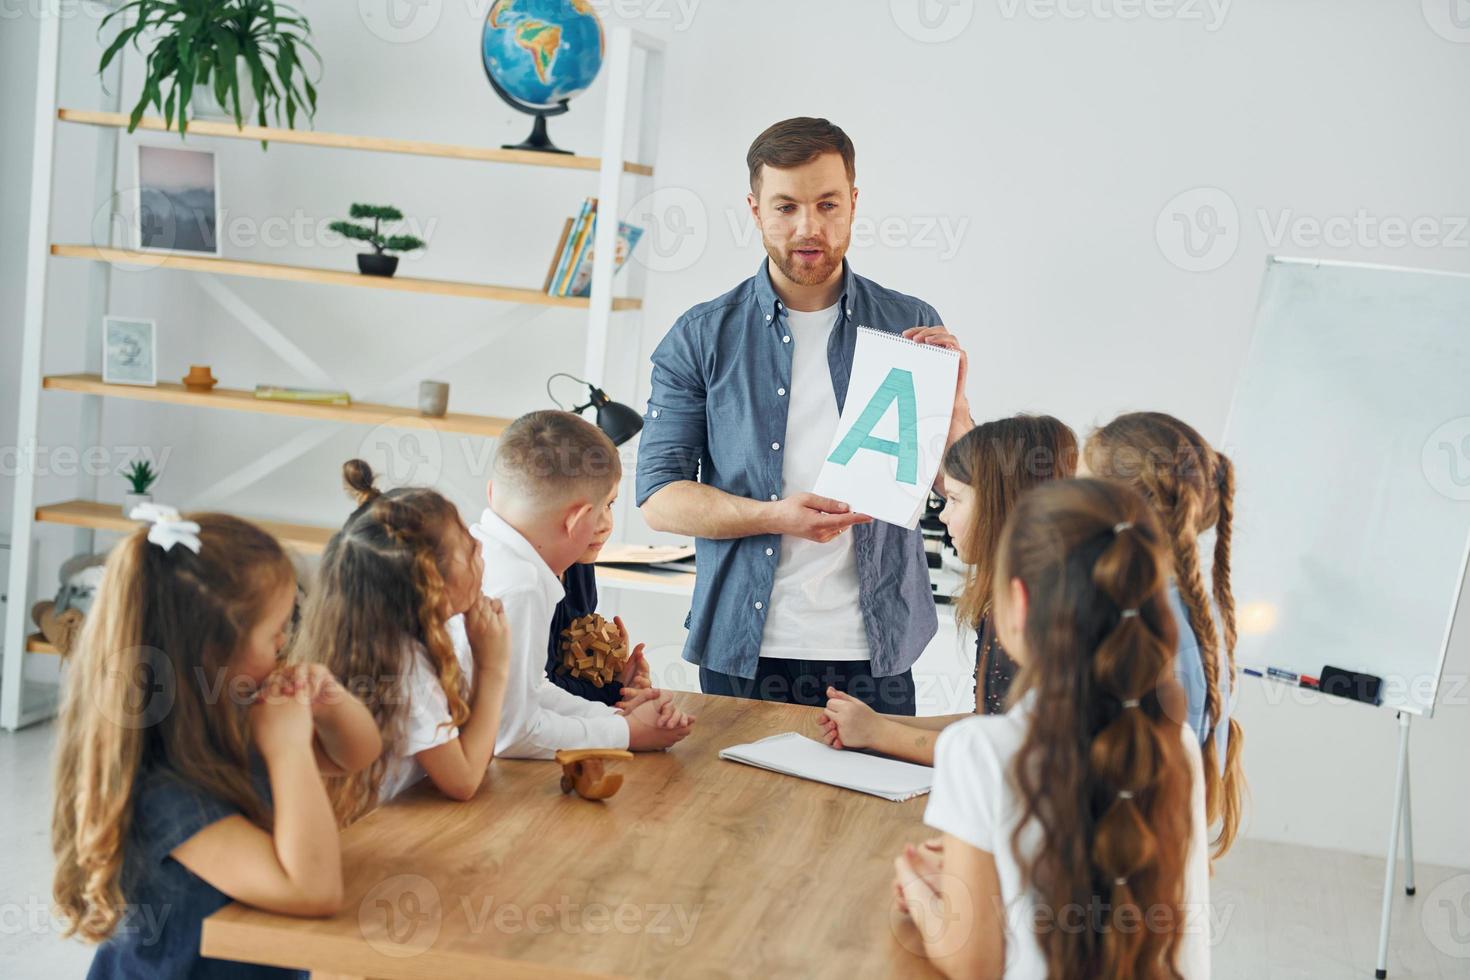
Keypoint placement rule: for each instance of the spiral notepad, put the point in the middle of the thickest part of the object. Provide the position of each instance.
(895, 421)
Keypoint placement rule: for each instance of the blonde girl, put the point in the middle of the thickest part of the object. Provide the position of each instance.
(1191, 487)
(189, 761)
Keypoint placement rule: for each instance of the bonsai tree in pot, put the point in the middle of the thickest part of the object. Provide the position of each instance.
(375, 263)
(231, 52)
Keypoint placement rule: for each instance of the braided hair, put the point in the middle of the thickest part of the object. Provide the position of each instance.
(1101, 768)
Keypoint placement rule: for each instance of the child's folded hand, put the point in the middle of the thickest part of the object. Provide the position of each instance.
(634, 696)
(656, 725)
(489, 634)
(848, 723)
(280, 717)
(635, 672)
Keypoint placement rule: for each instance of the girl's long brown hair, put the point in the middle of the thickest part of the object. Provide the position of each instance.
(379, 596)
(1099, 728)
(999, 461)
(1192, 487)
(149, 689)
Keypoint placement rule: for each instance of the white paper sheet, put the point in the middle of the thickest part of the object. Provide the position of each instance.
(890, 439)
(796, 755)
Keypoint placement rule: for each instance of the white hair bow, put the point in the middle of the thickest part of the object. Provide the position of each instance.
(168, 529)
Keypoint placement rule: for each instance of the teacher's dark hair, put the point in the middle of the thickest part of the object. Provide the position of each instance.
(793, 142)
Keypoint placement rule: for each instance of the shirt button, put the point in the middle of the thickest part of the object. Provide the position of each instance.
(776, 446)
(781, 392)
(773, 496)
(768, 316)
(655, 413)
(760, 605)
(849, 311)
(786, 339)
(770, 552)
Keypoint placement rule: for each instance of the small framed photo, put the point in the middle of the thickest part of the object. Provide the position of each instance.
(177, 206)
(129, 351)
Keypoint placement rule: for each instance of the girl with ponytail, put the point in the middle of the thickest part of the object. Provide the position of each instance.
(397, 615)
(1191, 488)
(1073, 831)
(189, 761)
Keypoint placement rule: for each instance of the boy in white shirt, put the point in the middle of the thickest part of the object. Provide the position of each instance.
(555, 481)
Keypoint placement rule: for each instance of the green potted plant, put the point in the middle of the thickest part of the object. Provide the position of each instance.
(140, 476)
(375, 263)
(222, 53)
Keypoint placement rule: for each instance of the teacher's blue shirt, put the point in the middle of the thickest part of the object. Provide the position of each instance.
(717, 412)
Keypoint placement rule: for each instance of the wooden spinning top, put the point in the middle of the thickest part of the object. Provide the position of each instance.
(583, 770)
(200, 378)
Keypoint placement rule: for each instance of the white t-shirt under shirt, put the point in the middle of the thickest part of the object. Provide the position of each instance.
(426, 714)
(973, 799)
(814, 612)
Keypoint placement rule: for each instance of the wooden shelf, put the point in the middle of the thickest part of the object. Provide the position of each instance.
(306, 538)
(310, 539)
(342, 141)
(239, 400)
(330, 277)
(36, 643)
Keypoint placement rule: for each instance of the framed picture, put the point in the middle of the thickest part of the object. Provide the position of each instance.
(177, 206)
(129, 351)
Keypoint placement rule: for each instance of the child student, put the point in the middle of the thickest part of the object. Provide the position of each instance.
(189, 761)
(397, 609)
(1192, 489)
(555, 480)
(985, 472)
(579, 583)
(1083, 806)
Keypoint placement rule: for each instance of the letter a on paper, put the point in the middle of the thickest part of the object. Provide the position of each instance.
(897, 387)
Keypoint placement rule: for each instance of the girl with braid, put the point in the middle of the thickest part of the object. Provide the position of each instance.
(1073, 828)
(1192, 489)
(398, 616)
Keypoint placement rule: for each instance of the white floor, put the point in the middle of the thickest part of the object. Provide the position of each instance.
(1280, 911)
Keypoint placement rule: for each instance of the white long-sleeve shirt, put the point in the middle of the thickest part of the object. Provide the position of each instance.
(538, 717)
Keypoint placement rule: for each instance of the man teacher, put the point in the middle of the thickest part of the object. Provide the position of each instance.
(794, 593)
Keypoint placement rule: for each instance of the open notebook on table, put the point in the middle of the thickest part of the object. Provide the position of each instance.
(797, 755)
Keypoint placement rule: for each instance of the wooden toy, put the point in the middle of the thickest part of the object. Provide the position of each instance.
(593, 648)
(584, 770)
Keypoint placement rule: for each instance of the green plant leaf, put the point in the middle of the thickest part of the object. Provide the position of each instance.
(402, 243)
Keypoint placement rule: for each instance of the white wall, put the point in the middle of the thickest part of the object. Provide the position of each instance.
(1016, 175)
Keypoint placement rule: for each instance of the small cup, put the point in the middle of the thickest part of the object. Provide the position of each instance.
(433, 398)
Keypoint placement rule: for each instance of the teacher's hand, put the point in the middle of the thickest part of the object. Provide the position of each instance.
(819, 519)
(941, 337)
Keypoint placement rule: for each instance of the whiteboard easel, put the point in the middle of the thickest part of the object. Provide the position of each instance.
(1356, 378)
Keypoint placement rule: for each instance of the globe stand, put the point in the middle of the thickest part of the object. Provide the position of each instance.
(538, 141)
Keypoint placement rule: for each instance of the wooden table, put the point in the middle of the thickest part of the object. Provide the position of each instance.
(699, 867)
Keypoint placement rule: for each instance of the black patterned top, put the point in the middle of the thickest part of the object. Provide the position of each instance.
(994, 671)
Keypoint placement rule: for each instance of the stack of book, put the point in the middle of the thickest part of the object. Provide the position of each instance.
(571, 266)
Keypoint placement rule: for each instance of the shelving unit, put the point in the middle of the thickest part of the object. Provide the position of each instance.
(330, 277)
(22, 704)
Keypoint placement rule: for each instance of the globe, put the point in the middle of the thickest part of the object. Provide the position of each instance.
(539, 54)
